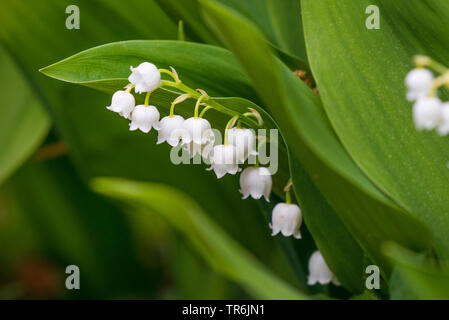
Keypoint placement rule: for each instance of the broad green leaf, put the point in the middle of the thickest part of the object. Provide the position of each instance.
(368, 214)
(327, 229)
(23, 124)
(220, 250)
(187, 12)
(362, 87)
(112, 62)
(274, 17)
(415, 276)
(285, 16)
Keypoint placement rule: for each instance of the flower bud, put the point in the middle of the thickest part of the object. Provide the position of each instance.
(143, 118)
(319, 271)
(256, 182)
(123, 103)
(287, 219)
(197, 130)
(427, 113)
(223, 160)
(170, 130)
(146, 77)
(419, 83)
(244, 141)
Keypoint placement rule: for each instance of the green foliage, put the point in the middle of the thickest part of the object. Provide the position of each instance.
(371, 187)
(23, 124)
(222, 252)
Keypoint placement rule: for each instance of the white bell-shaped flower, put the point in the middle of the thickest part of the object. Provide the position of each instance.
(223, 160)
(170, 130)
(319, 271)
(146, 77)
(427, 113)
(443, 127)
(244, 140)
(123, 103)
(256, 182)
(144, 117)
(197, 130)
(419, 83)
(203, 149)
(286, 219)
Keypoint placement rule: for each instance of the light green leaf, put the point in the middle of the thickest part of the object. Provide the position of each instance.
(220, 251)
(285, 16)
(23, 124)
(369, 215)
(112, 61)
(415, 276)
(362, 87)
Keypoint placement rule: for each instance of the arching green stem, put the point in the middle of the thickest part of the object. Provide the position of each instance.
(424, 61)
(229, 125)
(171, 74)
(130, 87)
(147, 98)
(197, 106)
(204, 110)
(288, 196)
(217, 106)
(172, 110)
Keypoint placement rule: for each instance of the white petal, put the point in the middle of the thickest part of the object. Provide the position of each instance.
(427, 113)
(318, 270)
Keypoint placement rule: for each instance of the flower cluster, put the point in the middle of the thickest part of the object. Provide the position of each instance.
(429, 112)
(196, 135)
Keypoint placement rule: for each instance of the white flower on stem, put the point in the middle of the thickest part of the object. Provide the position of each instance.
(427, 113)
(256, 182)
(197, 135)
(197, 130)
(286, 219)
(123, 103)
(244, 141)
(146, 77)
(143, 118)
(203, 149)
(418, 83)
(223, 160)
(171, 130)
(443, 127)
(319, 271)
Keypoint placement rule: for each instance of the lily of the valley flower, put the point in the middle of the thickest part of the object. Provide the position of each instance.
(419, 83)
(443, 127)
(244, 142)
(197, 130)
(427, 113)
(286, 219)
(143, 118)
(171, 130)
(319, 272)
(223, 160)
(197, 135)
(146, 77)
(256, 182)
(203, 149)
(123, 103)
